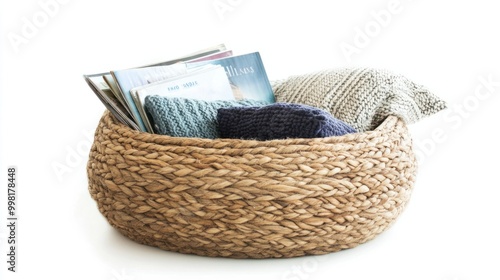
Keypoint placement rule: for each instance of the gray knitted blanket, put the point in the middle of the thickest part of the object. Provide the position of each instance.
(361, 97)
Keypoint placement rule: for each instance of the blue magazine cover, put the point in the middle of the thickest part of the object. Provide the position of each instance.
(246, 74)
(128, 79)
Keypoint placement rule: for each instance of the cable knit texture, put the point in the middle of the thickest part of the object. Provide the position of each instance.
(279, 121)
(362, 97)
(182, 117)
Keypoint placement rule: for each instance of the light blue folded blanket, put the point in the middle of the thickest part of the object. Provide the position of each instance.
(182, 117)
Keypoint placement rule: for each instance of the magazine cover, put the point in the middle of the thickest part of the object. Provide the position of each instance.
(128, 79)
(247, 75)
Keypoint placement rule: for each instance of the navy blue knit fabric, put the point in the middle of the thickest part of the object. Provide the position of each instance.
(279, 121)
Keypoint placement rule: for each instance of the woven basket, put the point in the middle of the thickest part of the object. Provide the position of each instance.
(251, 199)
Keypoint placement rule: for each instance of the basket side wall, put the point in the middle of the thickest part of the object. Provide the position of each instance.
(260, 202)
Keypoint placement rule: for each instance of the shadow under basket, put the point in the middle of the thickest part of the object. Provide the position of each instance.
(251, 199)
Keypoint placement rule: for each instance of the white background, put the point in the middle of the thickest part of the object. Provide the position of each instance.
(449, 230)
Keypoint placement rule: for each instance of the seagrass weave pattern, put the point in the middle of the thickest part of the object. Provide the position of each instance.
(251, 199)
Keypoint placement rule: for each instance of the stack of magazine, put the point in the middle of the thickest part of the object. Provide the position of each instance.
(210, 74)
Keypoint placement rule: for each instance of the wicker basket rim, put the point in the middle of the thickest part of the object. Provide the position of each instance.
(383, 133)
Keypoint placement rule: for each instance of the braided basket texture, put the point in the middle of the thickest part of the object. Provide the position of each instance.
(251, 199)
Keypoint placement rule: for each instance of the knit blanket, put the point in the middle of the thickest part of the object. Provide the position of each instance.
(278, 121)
(362, 97)
(182, 117)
